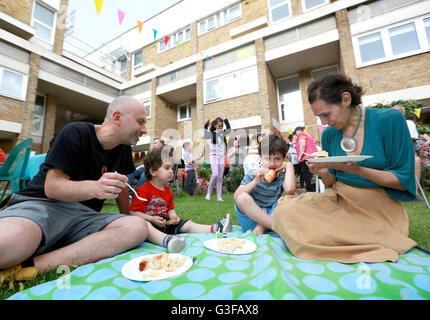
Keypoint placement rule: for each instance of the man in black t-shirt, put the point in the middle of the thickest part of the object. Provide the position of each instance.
(55, 220)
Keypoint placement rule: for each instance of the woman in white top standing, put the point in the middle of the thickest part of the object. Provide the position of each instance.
(217, 152)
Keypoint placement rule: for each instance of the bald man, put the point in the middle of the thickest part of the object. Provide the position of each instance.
(414, 135)
(55, 220)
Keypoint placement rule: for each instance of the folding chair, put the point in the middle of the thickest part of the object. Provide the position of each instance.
(422, 192)
(13, 169)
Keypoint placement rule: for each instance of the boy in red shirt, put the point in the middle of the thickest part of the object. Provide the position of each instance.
(160, 209)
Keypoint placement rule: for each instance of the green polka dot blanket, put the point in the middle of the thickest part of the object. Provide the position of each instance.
(271, 272)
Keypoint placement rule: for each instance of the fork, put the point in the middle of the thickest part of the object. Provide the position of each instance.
(134, 191)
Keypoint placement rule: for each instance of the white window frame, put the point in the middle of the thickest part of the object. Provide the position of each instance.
(41, 117)
(173, 37)
(139, 65)
(279, 99)
(23, 86)
(237, 83)
(279, 5)
(386, 42)
(220, 19)
(314, 7)
(145, 102)
(187, 105)
(52, 28)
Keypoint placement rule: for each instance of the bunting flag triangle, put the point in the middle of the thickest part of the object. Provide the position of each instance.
(155, 33)
(140, 25)
(320, 127)
(188, 49)
(192, 144)
(121, 15)
(166, 40)
(227, 138)
(417, 112)
(99, 4)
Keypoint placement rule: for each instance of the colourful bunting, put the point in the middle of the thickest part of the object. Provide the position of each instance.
(227, 138)
(121, 15)
(188, 49)
(155, 33)
(140, 25)
(320, 127)
(166, 40)
(99, 4)
(140, 154)
(238, 137)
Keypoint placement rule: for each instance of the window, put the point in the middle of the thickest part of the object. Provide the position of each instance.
(212, 90)
(147, 105)
(371, 47)
(404, 38)
(138, 60)
(174, 76)
(220, 18)
(38, 116)
(121, 67)
(279, 9)
(231, 85)
(310, 4)
(393, 42)
(175, 39)
(427, 28)
(184, 112)
(44, 22)
(12, 84)
(290, 100)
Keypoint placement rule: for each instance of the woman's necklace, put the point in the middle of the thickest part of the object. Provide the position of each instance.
(349, 144)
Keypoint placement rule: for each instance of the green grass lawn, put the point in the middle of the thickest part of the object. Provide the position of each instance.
(201, 211)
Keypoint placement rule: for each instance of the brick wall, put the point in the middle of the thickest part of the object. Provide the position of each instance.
(61, 27)
(21, 10)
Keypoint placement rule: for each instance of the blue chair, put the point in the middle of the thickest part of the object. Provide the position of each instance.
(13, 169)
(34, 163)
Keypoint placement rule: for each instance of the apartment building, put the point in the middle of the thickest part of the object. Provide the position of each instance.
(249, 60)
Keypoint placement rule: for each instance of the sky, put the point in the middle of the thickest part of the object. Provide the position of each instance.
(91, 30)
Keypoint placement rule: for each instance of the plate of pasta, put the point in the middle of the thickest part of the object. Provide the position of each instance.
(231, 245)
(156, 266)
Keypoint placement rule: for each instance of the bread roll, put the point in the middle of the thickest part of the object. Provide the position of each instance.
(321, 154)
(270, 176)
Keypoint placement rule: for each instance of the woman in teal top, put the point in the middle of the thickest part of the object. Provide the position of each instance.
(387, 139)
(360, 216)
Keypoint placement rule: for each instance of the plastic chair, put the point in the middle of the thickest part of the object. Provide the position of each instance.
(13, 169)
(422, 192)
(34, 163)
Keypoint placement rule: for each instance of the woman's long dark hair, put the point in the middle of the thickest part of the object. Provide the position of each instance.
(330, 88)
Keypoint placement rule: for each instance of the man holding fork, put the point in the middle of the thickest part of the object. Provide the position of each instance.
(55, 220)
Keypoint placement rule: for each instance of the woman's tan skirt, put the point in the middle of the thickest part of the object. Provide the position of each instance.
(345, 224)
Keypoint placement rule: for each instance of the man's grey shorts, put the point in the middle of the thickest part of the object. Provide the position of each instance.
(62, 223)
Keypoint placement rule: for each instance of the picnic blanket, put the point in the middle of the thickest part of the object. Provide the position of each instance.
(271, 272)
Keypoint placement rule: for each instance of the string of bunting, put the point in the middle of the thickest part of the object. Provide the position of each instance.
(121, 16)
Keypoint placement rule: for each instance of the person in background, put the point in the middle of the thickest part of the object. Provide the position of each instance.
(305, 146)
(415, 137)
(252, 161)
(2, 157)
(190, 168)
(217, 153)
(292, 157)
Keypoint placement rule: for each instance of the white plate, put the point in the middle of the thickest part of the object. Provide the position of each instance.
(340, 159)
(131, 269)
(248, 246)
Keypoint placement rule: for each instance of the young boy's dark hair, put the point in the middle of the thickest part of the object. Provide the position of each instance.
(155, 158)
(273, 143)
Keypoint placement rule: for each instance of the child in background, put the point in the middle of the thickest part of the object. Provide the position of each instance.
(252, 161)
(190, 168)
(160, 209)
(257, 198)
(217, 153)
